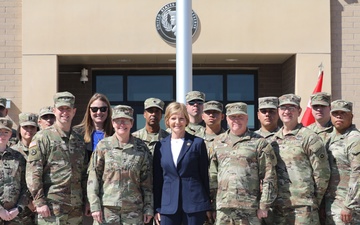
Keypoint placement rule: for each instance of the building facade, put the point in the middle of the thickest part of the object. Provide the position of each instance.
(242, 50)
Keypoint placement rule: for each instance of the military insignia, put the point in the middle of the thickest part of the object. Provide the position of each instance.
(33, 152)
(32, 144)
(166, 23)
(322, 156)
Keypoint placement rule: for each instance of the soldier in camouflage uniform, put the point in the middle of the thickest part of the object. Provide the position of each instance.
(268, 116)
(26, 131)
(152, 132)
(342, 199)
(120, 175)
(212, 116)
(56, 168)
(320, 108)
(303, 169)
(13, 190)
(46, 117)
(3, 113)
(195, 105)
(241, 159)
(320, 105)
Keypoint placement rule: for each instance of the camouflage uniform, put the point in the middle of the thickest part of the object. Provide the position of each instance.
(303, 174)
(236, 168)
(13, 190)
(56, 171)
(343, 192)
(323, 99)
(20, 147)
(266, 135)
(150, 139)
(195, 129)
(25, 119)
(120, 181)
(325, 133)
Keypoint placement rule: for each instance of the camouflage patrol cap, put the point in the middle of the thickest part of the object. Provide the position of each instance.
(154, 102)
(213, 105)
(341, 105)
(3, 102)
(321, 98)
(195, 95)
(64, 99)
(5, 123)
(290, 99)
(236, 108)
(28, 119)
(268, 103)
(48, 110)
(122, 111)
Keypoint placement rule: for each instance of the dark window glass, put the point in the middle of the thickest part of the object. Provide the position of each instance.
(240, 87)
(211, 85)
(111, 86)
(143, 87)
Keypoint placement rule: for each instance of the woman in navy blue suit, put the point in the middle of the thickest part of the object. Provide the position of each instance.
(181, 180)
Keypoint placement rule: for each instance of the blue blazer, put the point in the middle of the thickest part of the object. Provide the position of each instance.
(188, 183)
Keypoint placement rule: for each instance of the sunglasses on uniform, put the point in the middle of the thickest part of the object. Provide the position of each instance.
(95, 109)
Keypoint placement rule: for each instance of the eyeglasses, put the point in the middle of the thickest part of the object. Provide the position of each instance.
(269, 111)
(195, 102)
(290, 108)
(122, 121)
(47, 117)
(95, 109)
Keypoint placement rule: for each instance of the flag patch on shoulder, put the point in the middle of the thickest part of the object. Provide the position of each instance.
(32, 144)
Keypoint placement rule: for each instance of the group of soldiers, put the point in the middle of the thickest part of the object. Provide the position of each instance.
(276, 175)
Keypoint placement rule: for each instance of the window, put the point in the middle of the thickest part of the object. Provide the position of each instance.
(133, 87)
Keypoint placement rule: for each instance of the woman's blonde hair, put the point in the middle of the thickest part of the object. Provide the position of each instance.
(174, 108)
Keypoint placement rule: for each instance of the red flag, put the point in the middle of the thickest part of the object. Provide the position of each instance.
(308, 118)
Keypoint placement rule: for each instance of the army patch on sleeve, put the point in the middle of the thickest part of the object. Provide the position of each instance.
(33, 152)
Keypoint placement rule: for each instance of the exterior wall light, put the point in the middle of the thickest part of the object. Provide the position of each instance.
(84, 75)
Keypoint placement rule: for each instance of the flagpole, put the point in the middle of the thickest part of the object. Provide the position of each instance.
(183, 49)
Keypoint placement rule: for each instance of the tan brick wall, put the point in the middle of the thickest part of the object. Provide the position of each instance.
(345, 45)
(288, 76)
(10, 54)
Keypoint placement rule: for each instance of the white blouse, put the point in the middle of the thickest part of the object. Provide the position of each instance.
(176, 145)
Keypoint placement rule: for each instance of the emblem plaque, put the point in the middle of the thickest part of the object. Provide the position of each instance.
(166, 23)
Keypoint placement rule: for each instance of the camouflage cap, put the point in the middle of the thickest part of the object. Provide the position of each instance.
(28, 119)
(48, 110)
(236, 108)
(154, 102)
(6, 123)
(64, 99)
(290, 99)
(195, 95)
(268, 103)
(3, 102)
(122, 111)
(341, 105)
(213, 105)
(320, 98)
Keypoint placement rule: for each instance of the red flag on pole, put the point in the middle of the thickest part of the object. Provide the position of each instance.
(308, 118)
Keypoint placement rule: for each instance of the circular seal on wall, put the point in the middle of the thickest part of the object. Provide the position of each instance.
(166, 23)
